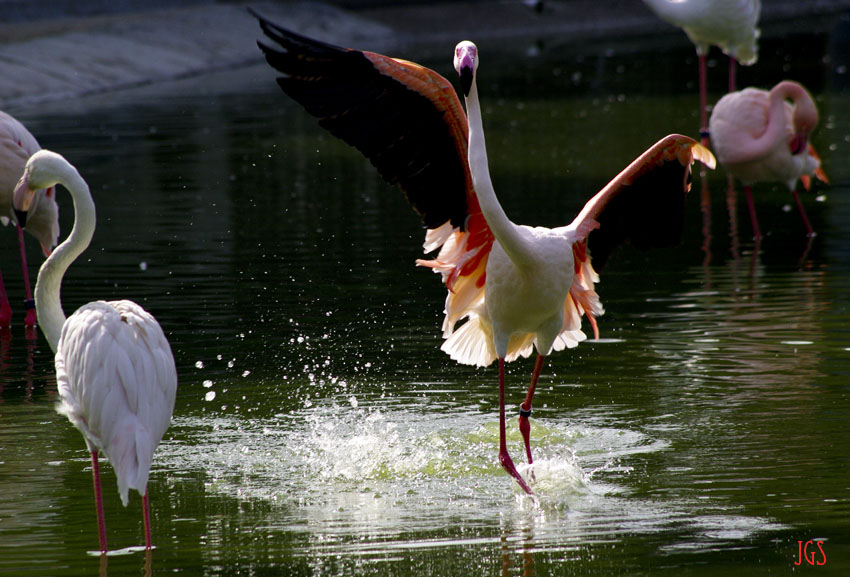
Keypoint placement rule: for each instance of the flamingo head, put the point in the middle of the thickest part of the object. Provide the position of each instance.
(37, 176)
(466, 63)
(805, 121)
(799, 143)
(805, 115)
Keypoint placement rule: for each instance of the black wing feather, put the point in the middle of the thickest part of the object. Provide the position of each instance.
(399, 129)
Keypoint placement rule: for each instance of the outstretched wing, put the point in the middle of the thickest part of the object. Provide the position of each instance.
(405, 118)
(645, 203)
(408, 121)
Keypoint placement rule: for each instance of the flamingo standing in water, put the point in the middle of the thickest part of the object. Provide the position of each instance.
(761, 137)
(16, 146)
(729, 24)
(114, 369)
(517, 287)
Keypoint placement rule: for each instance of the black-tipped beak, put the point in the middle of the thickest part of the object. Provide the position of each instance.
(466, 75)
(21, 216)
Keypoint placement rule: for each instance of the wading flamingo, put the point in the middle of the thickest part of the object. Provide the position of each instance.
(517, 287)
(761, 137)
(114, 368)
(16, 146)
(730, 25)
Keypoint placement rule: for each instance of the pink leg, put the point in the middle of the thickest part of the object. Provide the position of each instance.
(504, 458)
(525, 407)
(732, 68)
(732, 206)
(5, 309)
(703, 98)
(147, 517)
(98, 500)
(809, 230)
(752, 206)
(30, 303)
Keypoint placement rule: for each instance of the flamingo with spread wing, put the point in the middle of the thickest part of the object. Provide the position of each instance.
(516, 288)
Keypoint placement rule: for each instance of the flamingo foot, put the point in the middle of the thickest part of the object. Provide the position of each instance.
(508, 465)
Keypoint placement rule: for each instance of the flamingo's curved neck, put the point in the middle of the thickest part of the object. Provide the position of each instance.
(48, 286)
(776, 128)
(505, 231)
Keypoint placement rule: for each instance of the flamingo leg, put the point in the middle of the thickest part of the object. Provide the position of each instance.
(504, 458)
(29, 303)
(147, 518)
(748, 190)
(5, 308)
(732, 207)
(98, 500)
(525, 407)
(732, 70)
(809, 230)
(703, 98)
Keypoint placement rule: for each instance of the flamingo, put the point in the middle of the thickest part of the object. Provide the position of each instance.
(732, 25)
(114, 368)
(517, 287)
(16, 146)
(761, 137)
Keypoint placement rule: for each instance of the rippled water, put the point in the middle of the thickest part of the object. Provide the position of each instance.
(318, 428)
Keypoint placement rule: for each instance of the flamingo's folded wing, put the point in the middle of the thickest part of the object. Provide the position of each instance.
(405, 118)
(645, 203)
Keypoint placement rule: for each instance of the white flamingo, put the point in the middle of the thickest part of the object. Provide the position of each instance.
(518, 287)
(17, 144)
(759, 136)
(114, 368)
(731, 25)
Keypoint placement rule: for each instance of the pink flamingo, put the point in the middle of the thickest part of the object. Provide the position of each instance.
(16, 146)
(761, 137)
(518, 288)
(729, 24)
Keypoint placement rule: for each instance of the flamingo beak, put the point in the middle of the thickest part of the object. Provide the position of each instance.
(466, 76)
(22, 200)
(799, 144)
(465, 53)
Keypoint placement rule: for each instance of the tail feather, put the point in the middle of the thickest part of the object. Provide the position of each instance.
(472, 343)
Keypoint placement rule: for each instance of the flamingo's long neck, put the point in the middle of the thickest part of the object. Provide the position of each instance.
(505, 231)
(805, 110)
(776, 129)
(48, 301)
